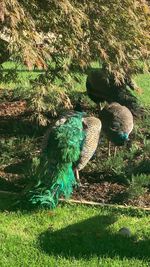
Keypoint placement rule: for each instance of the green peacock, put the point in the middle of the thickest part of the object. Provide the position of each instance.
(67, 148)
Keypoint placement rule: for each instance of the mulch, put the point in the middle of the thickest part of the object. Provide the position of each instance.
(110, 193)
(13, 109)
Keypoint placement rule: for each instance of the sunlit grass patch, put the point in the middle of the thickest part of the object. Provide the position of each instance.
(143, 81)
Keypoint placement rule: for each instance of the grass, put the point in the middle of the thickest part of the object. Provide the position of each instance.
(21, 74)
(73, 236)
(143, 81)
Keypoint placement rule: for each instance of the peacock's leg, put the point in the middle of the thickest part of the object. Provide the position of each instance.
(109, 145)
(115, 151)
(99, 107)
(77, 176)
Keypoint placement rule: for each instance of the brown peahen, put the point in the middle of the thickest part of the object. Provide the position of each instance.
(102, 88)
(68, 146)
(117, 123)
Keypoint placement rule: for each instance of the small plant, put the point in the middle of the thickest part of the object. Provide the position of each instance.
(31, 172)
(112, 168)
(138, 185)
(114, 165)
(15, 149)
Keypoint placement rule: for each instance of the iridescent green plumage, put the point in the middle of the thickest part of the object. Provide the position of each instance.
(55, 175)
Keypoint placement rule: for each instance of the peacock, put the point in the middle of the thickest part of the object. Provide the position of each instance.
(117, 123)
(102, 88)
(67, 147)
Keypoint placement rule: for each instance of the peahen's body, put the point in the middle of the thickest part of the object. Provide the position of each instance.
(117, 123)
(68, 146)
(100, 88)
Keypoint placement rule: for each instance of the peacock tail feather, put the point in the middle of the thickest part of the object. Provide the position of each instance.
(55, 175)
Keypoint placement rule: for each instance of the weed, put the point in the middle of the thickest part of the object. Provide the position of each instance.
(138, 185)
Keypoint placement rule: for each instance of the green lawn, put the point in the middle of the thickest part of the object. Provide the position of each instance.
(73, 235)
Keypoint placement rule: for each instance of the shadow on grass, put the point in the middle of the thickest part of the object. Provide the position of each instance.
(92, 237)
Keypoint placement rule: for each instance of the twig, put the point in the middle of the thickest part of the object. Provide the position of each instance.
(92, 203)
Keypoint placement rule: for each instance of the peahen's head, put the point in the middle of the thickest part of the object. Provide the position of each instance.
(119, 138)
(123, 136)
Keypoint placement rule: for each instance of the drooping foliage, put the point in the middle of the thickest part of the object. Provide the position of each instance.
(64, 35)
(74, 32)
